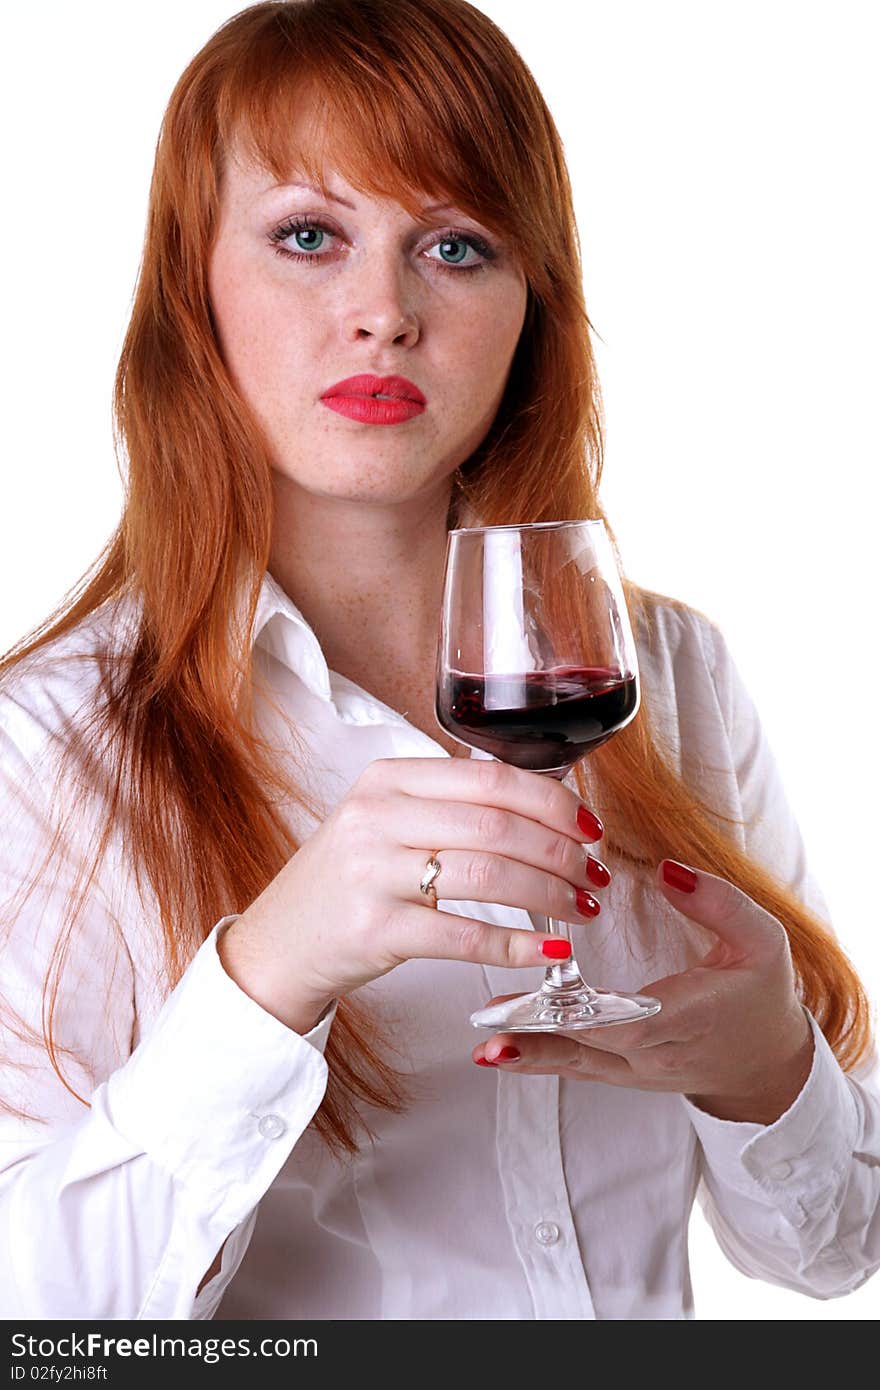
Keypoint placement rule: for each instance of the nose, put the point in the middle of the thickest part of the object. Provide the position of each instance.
(385, 326)
(381, 308)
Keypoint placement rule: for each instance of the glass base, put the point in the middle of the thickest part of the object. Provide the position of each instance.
(563, 1011)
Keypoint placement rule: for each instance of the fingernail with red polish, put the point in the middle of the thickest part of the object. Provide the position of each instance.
(557, 949)
(508, 1054)
(587, 905)
(679, 876)
(590, 825)
(483, 1062)
(597, 872)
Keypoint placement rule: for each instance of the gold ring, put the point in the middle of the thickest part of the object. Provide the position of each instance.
(426, 886)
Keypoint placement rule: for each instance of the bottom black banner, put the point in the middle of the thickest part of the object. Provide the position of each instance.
(272, 1353)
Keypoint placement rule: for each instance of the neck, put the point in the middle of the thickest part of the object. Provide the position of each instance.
(367, 577)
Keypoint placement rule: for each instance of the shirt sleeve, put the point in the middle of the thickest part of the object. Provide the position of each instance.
(117, 1208)
(796, 1202)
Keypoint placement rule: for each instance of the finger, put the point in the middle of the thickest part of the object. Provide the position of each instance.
(485, 783)
(423, 933)
(491, 878)
(423, 824)
(554, 1053)
(742, 925)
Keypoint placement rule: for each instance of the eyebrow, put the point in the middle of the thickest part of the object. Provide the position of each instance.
(433, 207)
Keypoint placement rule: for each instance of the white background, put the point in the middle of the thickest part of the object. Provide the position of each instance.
(723, 158)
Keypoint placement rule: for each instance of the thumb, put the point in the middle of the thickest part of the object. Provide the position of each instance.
(743, 926)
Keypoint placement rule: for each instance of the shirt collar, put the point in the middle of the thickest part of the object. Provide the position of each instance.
(280, 629)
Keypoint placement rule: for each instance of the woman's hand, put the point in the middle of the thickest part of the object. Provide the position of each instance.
(347, 908)
(732, 1034)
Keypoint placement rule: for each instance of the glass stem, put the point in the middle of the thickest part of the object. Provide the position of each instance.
(563, 974)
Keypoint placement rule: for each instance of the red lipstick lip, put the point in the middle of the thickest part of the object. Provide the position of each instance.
(398, 387)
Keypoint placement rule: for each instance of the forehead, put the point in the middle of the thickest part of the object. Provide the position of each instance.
(247, 184)
(310, 145)
(252, 183)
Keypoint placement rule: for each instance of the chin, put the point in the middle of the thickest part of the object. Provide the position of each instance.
(342, 484)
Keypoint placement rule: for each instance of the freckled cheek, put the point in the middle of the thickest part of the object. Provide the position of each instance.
(262, 345)
(483, 379)
(482, 344)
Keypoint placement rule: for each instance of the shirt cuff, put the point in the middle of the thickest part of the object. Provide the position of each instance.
(800, 1161)
(219, 1090)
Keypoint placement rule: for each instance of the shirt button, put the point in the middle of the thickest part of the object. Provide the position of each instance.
(271, 1126)
(547, 1232)
(780, 1170)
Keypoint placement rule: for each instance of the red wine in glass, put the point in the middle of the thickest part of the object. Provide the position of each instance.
(543, 721)
(537, 667)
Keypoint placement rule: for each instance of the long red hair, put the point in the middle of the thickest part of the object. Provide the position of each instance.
(416, 96)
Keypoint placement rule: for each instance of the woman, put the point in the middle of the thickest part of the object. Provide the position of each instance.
(239, 1078)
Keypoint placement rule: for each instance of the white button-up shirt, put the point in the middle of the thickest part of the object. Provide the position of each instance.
(493, 1195)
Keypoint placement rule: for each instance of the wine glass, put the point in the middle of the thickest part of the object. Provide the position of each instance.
(536, 666)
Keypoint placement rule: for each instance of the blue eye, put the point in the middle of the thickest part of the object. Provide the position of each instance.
(310, 231)
(309, 227)
(454, 241)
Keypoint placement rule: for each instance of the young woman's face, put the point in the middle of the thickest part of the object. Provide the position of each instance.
(383, 295)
